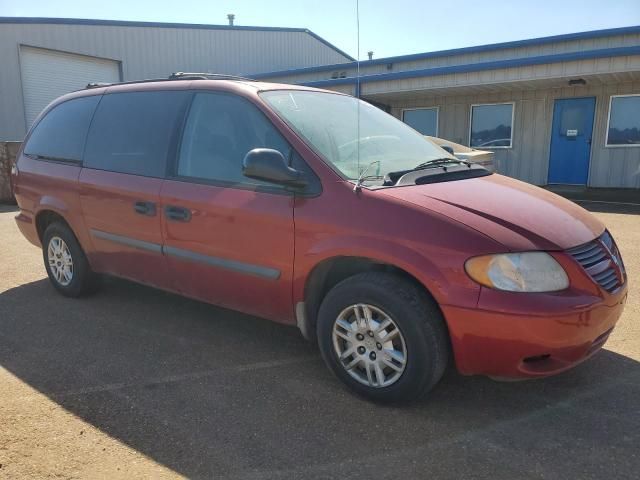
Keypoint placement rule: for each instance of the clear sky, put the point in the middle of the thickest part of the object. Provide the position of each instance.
(388, 27)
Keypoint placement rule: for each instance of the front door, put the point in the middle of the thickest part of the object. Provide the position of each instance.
(571, 140)
(228, 239)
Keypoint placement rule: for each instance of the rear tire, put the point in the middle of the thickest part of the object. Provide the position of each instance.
(400, 353)
(66, 263)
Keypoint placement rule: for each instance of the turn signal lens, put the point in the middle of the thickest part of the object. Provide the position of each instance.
(518, 272)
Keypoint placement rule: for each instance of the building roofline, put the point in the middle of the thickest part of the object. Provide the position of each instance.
(474, 67)
(329, 44)
(195, 26)
(609, 32)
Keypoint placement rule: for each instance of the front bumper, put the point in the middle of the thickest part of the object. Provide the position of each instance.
(515, 335)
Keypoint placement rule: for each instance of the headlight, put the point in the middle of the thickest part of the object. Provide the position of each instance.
(518, 272)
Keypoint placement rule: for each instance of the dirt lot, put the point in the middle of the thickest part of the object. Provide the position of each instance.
(133, 382)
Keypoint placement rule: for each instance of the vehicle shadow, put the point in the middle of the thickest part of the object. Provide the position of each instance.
(7, 207)
(209, 392)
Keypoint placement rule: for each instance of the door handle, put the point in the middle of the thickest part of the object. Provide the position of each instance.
(177, 214)
(145, 208)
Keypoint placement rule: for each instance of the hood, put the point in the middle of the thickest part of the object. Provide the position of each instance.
(518, 215)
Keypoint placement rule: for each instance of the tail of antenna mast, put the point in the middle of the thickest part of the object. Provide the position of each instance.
(357, 92)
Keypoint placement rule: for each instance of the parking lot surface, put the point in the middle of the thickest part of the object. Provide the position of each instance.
(133, 382)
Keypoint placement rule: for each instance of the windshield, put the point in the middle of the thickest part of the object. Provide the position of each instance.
(329, 124)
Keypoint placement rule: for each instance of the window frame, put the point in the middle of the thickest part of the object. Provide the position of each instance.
(606, 132)
(172, 165)
(436, 108)
(513, 116)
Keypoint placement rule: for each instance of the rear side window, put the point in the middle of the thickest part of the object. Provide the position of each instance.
(61, 134)
(132, 132)
(220, 130)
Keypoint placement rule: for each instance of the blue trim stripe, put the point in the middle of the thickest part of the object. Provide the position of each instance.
(197, 26)
(610, 32)
(475, 67)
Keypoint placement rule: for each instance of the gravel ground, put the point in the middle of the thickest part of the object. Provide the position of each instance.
(134, 382)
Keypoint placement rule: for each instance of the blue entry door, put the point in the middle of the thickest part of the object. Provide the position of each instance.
(571, 140)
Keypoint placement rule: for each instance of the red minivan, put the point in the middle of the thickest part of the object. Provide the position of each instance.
(314, 208)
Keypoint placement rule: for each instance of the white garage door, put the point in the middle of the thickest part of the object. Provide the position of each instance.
(47, 74)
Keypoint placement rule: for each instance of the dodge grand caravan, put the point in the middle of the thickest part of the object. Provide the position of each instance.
(313, 208)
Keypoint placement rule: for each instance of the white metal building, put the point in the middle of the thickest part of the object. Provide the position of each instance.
(556, 110)
(43, 58)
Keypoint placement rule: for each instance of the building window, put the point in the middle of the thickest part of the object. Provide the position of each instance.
(424, 120)
(623, 128)
(491, 125)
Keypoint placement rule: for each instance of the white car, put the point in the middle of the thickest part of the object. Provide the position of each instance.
(481, 157)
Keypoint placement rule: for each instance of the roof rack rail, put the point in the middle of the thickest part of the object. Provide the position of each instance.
(205, 76)
(98, 84)
(173, 76)
(130, 82)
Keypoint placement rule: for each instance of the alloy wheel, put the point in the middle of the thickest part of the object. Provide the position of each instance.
(369, 345)
(60, 261)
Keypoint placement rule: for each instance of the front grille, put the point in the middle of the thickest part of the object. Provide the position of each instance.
(601, 260)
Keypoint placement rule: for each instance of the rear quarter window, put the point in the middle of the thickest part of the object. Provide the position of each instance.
(132, 132)
(61, 133)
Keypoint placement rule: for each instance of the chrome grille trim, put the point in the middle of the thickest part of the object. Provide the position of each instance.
(599, 267)
(601, 260)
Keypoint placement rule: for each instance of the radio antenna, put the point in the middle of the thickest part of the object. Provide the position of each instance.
(358, 84)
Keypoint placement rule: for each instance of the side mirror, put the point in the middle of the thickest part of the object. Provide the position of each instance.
(270, 165)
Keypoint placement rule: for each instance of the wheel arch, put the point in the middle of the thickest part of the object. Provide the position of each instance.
(46, 217)
(331, 271)
(50, 208)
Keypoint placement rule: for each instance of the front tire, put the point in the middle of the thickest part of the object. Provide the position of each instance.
(65, 262)
(383, 336)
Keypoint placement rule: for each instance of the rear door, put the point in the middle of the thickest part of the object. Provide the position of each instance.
(228, 239)
(132, 135)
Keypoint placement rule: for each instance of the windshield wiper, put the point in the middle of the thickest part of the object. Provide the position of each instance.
(437, 162)
(392, 177)
(363, 176)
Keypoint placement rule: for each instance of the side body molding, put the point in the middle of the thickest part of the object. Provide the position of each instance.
(246, 268)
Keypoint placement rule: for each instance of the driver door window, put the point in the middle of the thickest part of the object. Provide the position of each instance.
(234, 248)
(220, 130)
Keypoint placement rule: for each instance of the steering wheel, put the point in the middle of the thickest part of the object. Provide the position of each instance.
(363, 142)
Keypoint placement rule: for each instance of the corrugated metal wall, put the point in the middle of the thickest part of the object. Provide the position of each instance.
(533, 88)
(147, 52)
(627, 40)
(528, 160)
(513, 75)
